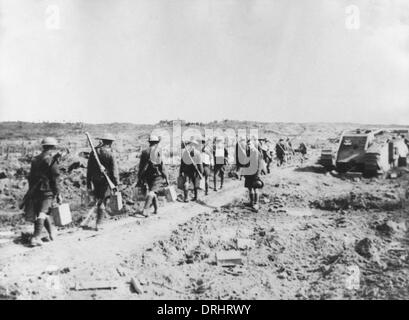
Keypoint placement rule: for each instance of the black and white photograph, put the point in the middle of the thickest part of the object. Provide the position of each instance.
(204, 150)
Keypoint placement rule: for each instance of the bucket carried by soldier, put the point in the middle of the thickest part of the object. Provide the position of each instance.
(115, 202)
(170, 194)
(61, 215)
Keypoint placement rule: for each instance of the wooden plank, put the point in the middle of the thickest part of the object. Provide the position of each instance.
(95, 285)
(136, 285)
(228, 258)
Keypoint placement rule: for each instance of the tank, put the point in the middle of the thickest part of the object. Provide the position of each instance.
(371, 152)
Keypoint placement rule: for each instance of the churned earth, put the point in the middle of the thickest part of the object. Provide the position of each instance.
(316, 236)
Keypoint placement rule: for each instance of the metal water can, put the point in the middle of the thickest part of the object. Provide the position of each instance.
(61, 215)
(170, 194)
(116, 202)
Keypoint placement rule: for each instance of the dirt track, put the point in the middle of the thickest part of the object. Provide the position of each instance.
(304, 243)
(117, 240)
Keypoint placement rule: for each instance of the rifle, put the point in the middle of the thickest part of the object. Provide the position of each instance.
(31, 191)
(100, 166)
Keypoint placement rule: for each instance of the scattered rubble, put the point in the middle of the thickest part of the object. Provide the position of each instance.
(315, 236)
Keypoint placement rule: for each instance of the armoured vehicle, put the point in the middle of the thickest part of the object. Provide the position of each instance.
(371, 152)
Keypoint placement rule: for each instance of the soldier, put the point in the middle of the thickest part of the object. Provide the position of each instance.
(44, 182)
(303, 150)
(151, 174)
(251, 173)
(207, 159)
(266, 153)
(221, 156)
(280, 152)
(241, 155)
(406, 140)
(191, 168)
(96, 182)
(269, 155)
(289, 149)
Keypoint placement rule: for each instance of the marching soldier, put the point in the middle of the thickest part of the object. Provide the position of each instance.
(221, 157)
(207, 159)
(266, 155)
(44, 182)
(241, 155)
(151, 174)
(303, 150)
(289, 149)
(191, 168)
(280, 152)
(251, 173)
(96, 182)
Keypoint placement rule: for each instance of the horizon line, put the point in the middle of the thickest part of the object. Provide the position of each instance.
(202, 123)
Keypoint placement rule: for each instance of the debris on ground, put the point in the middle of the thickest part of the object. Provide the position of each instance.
(95, 285)
(316, 236)
(228, 258)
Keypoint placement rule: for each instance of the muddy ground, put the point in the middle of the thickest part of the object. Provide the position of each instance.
(306, 242)
(317, 235)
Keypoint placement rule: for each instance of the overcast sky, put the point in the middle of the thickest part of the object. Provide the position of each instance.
(201, 60)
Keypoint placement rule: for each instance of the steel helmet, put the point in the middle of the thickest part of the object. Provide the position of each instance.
(258, 184)
(192, 140)
(49, 141)
(153, 138)
(107, 137)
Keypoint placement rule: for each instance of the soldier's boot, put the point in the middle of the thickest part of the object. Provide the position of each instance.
(215, 183)
(255, 202)
(36, 238)
(48, 226)
(185, 195)
(206, 187)
(148, 204)
(194, 194)
(155, 204)
(250, 204)
(221, 182)
(100, 218)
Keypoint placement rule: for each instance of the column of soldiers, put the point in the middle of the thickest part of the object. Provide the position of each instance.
(199, 158)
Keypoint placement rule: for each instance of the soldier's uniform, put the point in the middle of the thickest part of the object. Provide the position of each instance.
(44, 180)
(151, 173)
(280, 152)
(191, 159)
(251, 173)
(97, 179)
(303, 150)
(151, 168)
(207, 160)
(221, 157)
(266, 155)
